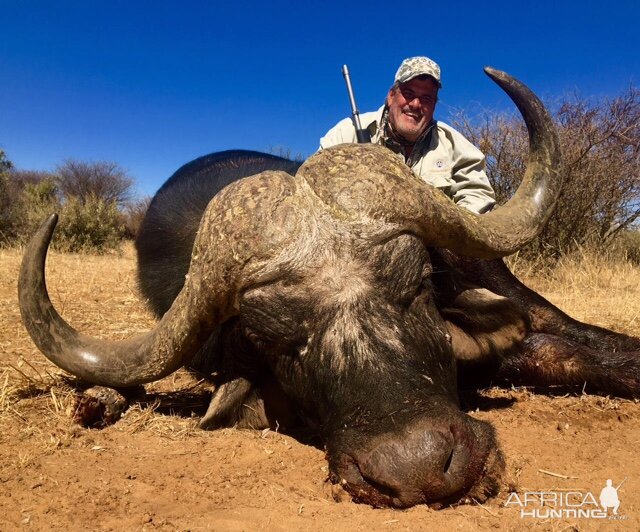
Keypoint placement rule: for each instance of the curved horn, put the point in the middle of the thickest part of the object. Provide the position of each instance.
(232, 248)
(390, 191)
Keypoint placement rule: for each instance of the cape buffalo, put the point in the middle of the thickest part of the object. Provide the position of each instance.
(353, 290)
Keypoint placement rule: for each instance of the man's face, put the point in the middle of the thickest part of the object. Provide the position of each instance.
(411, 106)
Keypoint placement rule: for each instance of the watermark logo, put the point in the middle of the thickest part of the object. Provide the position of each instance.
(609, 497)
(568, 504)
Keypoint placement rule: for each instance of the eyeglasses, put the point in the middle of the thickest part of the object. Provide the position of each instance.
(425, 99)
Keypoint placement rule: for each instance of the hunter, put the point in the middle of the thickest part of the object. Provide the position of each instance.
(434, 150)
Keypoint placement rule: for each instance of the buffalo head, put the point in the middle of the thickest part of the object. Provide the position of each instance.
(329, 277)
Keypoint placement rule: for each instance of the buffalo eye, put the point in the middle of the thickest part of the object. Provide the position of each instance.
(259, 340)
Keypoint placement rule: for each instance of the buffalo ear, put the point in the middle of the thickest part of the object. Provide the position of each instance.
(484, 325)
(236, 403)
(243, 404)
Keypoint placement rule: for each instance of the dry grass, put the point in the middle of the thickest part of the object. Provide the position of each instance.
(590, 287)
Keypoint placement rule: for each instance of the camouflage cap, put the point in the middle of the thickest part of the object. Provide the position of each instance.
(417, 66)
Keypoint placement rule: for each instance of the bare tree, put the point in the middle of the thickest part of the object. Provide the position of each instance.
(600, 142)
(134, 213)
(104, 180)
(21, 178)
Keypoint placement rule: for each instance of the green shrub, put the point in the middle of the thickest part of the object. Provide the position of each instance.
(85, 195)
(37, 201)
(92, 225)
(7, 210)
(89, 225)
(7, 229)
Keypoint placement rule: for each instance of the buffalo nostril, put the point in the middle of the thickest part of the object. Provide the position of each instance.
(447, 463)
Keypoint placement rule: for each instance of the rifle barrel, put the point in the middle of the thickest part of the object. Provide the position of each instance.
(361, 134)
(621, 483)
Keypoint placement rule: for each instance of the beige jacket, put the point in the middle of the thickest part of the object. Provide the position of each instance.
(449, 162)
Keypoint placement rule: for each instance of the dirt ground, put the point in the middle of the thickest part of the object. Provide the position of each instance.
(154, 470)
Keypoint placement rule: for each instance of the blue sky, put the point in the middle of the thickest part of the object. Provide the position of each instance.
(152, 85)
